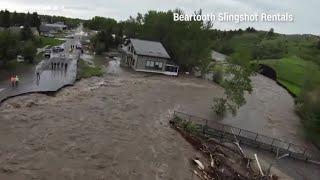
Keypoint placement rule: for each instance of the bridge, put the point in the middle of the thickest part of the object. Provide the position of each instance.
(55, 73)
(229, 133)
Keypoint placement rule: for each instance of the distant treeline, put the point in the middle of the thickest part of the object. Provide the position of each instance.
(15, 42)
(8, 19)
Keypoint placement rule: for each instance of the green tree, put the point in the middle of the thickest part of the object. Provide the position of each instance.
(99, 47)
(5, 19)
(130, 28)
(318, 44)
(29, 51)
(20, 19)
(103, 41)
(26, 33)
(27, 20)
(35, 21)
(308, 105)
(139, 18)
(236, 84)
(1, 18)
(14, 19)
(100, 23)
(8, 46)
(188, 43)
(271, 32)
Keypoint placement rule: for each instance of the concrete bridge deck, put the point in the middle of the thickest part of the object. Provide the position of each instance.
(56, 74)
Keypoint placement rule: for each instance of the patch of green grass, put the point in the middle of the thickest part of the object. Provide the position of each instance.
(99, 60)
(86, 71)
(49, 41)
(293, 88)
(14, 65)
(292, 72)
(302, 46)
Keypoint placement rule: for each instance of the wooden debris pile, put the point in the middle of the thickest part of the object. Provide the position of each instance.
(222, 161)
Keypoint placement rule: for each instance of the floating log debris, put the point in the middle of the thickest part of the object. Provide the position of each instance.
(221, 161)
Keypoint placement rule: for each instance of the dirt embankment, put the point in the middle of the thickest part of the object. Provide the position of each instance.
(114, 127)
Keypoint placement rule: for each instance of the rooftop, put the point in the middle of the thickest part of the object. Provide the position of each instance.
(149, 48)
(218, 56)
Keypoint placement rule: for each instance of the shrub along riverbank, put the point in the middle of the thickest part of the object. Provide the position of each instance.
(86, 71)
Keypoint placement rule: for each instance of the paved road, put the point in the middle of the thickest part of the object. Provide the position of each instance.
(55, 74)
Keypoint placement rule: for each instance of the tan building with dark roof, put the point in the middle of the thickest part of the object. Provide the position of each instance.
(147, 56)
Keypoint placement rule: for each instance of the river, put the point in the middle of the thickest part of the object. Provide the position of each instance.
(270, 111)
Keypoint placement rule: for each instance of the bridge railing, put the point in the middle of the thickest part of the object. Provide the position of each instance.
(230, 133)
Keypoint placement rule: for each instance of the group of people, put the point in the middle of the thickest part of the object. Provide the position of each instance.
(14, 80)
(59, 65)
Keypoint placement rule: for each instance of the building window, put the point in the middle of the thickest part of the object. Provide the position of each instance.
(172, 68)
(154, 65)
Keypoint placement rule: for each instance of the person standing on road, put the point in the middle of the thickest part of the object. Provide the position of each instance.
(12, 81)
(17, 80)
(38, 72)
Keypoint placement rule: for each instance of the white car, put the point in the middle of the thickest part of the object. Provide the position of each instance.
(20, 58)
(69, 36)
(57, 49)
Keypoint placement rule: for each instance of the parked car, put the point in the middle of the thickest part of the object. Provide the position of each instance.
(20, 58)
(69, 36)
(78, 46)
(57, 49)
(47, 53)
(49, 35)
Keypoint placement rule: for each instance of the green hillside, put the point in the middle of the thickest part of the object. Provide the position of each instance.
(260, 45)
(292, 72)
(291, 56)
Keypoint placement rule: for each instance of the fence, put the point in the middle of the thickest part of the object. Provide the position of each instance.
(226, 132)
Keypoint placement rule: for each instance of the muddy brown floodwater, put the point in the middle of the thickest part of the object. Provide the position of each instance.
(113, 127)
(270, 111)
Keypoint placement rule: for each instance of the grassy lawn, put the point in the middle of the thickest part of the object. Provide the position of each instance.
(85, 71)
(292, 72)
(50, 41)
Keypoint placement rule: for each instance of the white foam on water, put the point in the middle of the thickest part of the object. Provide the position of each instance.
(1, 89)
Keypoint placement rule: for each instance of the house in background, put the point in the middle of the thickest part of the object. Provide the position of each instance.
(147, 56)
(52, 28)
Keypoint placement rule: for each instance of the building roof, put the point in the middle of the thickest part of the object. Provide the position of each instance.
(218, 56)
(149, 48)
(49, 27)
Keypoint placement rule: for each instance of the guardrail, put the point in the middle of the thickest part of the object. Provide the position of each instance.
(227, 132)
